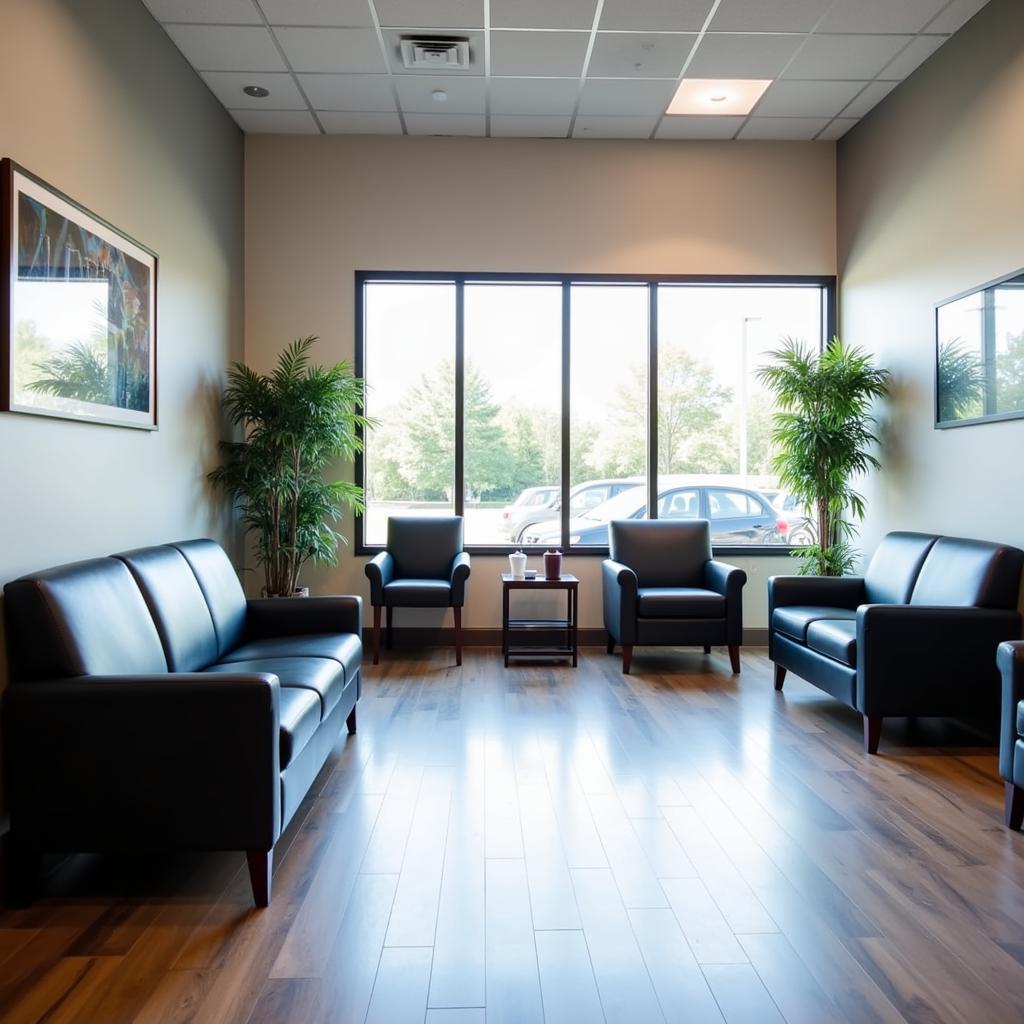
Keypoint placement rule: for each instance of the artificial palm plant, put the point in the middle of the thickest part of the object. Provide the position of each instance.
(296, 421)
(824, 435)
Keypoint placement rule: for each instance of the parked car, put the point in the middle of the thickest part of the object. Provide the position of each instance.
(582, 498)
(796, 522)
(738, 515)
(525, 509)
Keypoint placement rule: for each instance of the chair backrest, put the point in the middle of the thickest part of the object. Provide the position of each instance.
(969, 573)
(662, 552)
(894, 567)
(424, 547)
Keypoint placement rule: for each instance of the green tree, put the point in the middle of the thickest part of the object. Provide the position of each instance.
(960, 384)
(1010, 376)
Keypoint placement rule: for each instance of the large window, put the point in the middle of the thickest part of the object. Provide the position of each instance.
(542, 408)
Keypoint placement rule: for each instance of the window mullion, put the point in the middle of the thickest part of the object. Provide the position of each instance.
(460, 392)
(566, 438)
(652, 400)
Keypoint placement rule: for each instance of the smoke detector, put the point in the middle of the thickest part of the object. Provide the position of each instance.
(435, 53)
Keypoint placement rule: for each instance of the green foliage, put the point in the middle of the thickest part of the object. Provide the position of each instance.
(1010, 375)
(78, 372)
(961, 382)
(823, 431)
(296, 421)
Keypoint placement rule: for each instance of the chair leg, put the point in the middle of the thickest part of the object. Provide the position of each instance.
(457, 612)
(734, 658)
(261, 864)
(351, 722)
(391, 629)
(376, 634)
(21, 876)
(610, 645)
(627, 658)
(1014, 806)
(780, 676)
(872, 732)
(707, 648)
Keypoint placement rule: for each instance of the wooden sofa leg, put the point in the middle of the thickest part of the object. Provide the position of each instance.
(707, 648)
(1014, 807)
(610, 645)
(457, 612)
(351, 722)
(872, 732)
(261, 864)
(627, 658)
(376, 634)
(780, 676)
(21, 875)
(734, 657)
(391, 629)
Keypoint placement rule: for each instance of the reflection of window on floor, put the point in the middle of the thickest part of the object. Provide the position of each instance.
(466, 377)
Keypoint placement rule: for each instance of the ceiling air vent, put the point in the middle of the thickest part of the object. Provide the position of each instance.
(435, 54)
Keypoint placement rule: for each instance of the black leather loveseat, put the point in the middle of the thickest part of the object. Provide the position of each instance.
(152, 707)
(915, 636)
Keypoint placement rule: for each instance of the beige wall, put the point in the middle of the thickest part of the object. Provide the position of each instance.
(931, 203)
(319, 208)
(95, 99)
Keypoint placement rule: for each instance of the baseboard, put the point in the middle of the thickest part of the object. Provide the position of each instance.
(417, 637)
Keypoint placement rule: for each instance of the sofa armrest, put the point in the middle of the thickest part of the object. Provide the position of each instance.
(1010, 659)
(618, 588)
(728, 580)
(184, 760)
(916, 657)
(459, 575)
(380, 570)
(294, 616)
(837, 591)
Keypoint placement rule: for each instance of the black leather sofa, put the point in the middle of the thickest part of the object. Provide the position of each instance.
(915, 636)
(1011, 733)
(151, 707)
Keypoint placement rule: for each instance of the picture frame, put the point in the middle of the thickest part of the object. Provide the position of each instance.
(78, 304)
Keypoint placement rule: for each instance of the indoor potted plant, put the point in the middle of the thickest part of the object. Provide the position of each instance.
(295, 422)
(824, 434)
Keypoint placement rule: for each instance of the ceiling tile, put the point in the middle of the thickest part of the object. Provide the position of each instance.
(543, 13)
(872, 94)
(655, 15)
(337, 122)
(393, 48)
(845, 56)
(446, 124)
(616, 96)
(956, 15)
(435, 14)
(880, 15)
(349, 92)
(353, 13)
(551, 54)
(742, 55)
(639, 54)
(219, 48)
(839, 127)
(594, 127)
(465, 95)
(276, 122)
(710, 127)
(227, 87)
(531, 126)
(533, 95)
(213, 12)
(341, 50)
(909, 60)
(807, 99)
(768, 15)
(794, 129)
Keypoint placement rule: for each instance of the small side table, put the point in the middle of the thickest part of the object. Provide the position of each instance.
(570, 624)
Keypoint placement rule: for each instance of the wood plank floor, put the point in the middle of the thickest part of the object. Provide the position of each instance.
(543, 844)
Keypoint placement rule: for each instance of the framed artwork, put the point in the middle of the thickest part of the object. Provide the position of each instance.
(78, 305)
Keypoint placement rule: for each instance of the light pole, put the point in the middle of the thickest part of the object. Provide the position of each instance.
(743, 396)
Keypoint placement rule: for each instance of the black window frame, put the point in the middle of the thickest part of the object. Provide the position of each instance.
(826, 283)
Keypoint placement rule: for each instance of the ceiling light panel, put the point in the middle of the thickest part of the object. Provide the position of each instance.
(716, 96)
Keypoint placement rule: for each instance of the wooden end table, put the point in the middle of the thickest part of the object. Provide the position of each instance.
(570, 624)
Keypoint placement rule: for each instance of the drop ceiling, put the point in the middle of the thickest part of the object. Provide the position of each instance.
(556, 68)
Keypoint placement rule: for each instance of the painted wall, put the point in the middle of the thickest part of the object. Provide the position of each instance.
(95, 99)
(319, 208)
(930, 204)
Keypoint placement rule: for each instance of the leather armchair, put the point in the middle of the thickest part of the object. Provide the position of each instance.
(423, 566)
(660, 586)
(1010, 660)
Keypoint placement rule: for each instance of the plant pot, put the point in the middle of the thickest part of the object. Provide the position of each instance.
(297, 592)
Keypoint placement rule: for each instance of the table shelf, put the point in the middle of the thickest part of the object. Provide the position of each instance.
(569, 625)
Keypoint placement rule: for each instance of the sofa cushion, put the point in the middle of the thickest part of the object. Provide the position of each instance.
(894, 567)
(424, 547)
(300, 718)
(177, 605)
(324, 676)
(662, 552)
(794, 619)
(835, 638)
(966, 573)
(219, 584)
(679, 603)
(344, 648)
(88, 618)
(418, 593)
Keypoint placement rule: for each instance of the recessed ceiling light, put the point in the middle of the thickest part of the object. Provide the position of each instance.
(439, 96)
(717, 95)
(256, 91)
